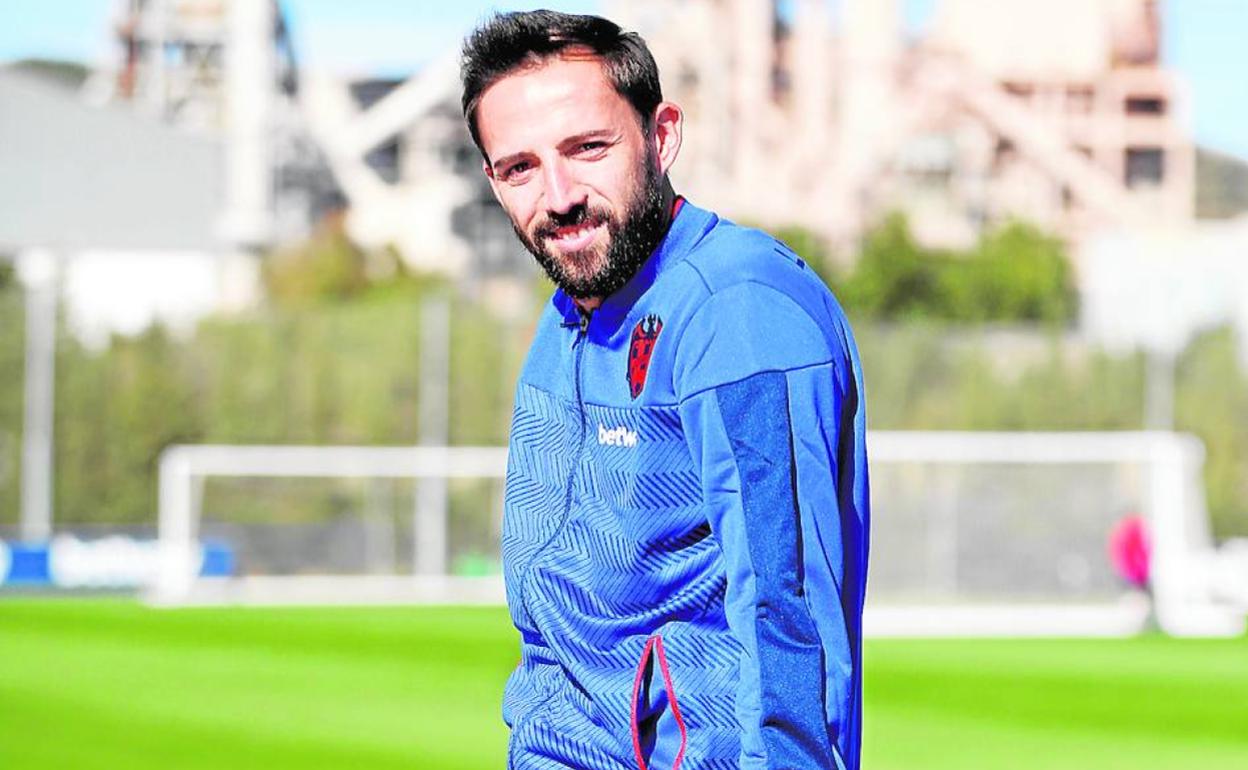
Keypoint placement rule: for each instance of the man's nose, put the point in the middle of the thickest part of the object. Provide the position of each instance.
(562, 191)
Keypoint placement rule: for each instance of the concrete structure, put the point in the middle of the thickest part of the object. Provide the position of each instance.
(806, 112)
(129, 206)
(410, 171)
(1057, 112)
(161, 181)
(225, 69)
(412, 178)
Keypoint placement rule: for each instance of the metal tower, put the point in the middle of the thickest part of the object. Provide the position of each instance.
(227, 68)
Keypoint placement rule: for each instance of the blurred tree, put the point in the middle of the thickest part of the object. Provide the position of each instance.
(70, 75)
(480, 400)
(894, 278)
(1015, 273)
(926, 376)
(12, 366)
(1212, 402)
(116, 410)
(337, 373)
(1221, 185)
(326, 266)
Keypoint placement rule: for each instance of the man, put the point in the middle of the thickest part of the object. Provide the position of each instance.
(685, 528)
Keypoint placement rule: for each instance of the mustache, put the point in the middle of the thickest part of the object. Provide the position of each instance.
(577, 215)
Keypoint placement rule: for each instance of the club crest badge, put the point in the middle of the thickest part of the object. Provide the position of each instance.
(645, 334)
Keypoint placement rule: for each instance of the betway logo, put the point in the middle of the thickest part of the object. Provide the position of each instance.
(620, 436)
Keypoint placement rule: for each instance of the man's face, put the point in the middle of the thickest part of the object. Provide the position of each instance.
(572, 167)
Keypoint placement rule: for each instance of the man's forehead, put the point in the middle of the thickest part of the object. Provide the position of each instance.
(559, 94)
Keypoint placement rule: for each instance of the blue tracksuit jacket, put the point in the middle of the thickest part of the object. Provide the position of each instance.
(685, 526)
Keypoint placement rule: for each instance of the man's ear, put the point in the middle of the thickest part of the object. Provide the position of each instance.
(668, 125)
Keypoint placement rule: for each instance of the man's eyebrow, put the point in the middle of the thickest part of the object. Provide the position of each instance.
(584, 136)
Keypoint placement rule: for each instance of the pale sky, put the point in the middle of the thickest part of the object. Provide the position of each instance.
(1204, 42)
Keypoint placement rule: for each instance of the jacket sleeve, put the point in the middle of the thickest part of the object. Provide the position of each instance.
(769, 407)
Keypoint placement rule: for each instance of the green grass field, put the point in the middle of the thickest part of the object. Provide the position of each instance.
(111, 684)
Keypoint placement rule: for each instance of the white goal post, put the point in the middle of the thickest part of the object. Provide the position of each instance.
(958, 520)
(184, 467)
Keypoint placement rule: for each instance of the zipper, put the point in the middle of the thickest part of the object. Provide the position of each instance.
(578, 350)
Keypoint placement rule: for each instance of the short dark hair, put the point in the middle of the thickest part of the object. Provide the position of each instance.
(511, 41)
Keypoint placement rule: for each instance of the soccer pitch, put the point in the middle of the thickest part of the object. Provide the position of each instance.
(112, 684)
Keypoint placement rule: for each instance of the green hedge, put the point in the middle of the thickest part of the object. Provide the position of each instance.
(12, 363)
(334, 374)
(1014, 274)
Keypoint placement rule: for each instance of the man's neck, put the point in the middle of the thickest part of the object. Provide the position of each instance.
(671, 204)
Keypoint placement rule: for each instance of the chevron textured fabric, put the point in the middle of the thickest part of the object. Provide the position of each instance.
(686, 518)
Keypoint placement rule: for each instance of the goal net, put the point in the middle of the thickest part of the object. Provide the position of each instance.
(972, 533)
(1005, 534)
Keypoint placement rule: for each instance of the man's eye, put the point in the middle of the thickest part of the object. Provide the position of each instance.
(588, 147)
(516, 169)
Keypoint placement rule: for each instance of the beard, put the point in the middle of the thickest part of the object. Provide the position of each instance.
(602, 269)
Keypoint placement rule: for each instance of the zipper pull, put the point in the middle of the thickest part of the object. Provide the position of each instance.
(584, 322)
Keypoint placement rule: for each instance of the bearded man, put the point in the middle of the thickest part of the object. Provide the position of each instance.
(686, 508)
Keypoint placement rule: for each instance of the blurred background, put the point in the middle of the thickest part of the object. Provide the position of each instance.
(260, 320)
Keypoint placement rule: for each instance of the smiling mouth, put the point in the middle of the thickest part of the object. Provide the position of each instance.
(574, 237)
